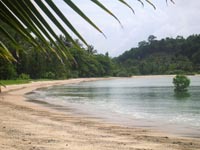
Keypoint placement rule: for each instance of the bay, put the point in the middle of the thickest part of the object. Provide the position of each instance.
(148, 101)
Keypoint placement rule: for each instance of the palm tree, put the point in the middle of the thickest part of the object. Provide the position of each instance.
(24, 17)
(91, 50)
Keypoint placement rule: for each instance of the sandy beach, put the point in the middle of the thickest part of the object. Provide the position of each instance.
(31, 126)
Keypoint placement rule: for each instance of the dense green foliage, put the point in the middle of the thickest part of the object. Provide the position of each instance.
(36, 64)
(165, 56)
(181, 83)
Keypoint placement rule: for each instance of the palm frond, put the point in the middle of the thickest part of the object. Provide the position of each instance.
(80, 12)
(141, 2)
(105, 9)
(151, 4)
(24, 16)
(5, 53)
(125, 3)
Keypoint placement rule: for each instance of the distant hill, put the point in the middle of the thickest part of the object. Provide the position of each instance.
(165, 56)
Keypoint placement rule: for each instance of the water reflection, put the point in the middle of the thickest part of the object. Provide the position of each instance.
(182, 95)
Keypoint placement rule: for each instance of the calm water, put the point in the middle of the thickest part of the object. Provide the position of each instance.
(148, 101)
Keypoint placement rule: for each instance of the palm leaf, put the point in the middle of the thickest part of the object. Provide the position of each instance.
(23, 15)
(8, 35)
(125, 3)
(171, 1)
(151, 4)
(141, 2)
(25, 18)
(105, 9)
(43, 29)
(47, 26)
(53, 19)
(17, 46)
(5, 53)
(9, 18)
(78, 11)
(65, 20)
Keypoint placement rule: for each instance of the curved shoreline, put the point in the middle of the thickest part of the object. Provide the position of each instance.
(26, 125)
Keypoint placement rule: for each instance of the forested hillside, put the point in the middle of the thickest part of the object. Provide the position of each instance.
(165, 56)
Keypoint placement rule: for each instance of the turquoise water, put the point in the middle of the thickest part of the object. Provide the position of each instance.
(139, 101)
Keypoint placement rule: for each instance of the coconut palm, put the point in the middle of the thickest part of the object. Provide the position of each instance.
(24, 17)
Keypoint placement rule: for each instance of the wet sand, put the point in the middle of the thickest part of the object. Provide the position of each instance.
(31, 126)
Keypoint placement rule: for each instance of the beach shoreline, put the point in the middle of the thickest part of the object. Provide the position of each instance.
(25, 125)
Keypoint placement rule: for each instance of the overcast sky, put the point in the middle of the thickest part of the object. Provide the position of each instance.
(170, 20)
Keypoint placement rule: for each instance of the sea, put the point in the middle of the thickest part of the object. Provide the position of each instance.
(140, 101)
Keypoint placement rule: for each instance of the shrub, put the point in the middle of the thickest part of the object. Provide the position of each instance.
(24, 76)
(49, 75)
(73, 74)
(181, 83)
(123, 74)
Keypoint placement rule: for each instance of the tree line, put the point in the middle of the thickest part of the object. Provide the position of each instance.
(165, 56)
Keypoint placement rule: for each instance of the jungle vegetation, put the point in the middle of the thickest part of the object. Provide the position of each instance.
(166, 56)
(35, 64)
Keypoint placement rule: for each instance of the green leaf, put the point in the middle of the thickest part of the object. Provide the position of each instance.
(45, 24)
(54, 20)
(9, 18)
(78, 11)
(105, 9)
(65, 20)
(8, 35)
(41, 27)
(171, 1)
(141, 2)
(151, 4)
(11, 39)
(26, 20)
(5, 53)
(127, 5)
